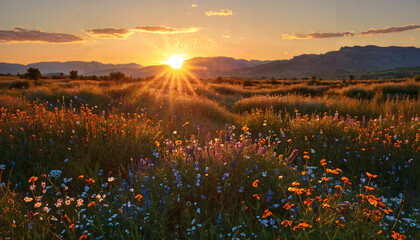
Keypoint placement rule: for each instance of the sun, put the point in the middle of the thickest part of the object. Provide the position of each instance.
(175, 62)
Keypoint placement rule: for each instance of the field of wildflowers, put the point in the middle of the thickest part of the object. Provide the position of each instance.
(104, 160)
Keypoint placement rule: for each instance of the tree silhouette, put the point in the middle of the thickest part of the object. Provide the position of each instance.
(73, 74)
(117, 76)
(33, 73)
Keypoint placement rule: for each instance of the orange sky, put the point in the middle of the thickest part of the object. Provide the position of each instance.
(148, 32)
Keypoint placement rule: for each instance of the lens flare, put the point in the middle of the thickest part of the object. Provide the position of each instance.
(175, 62)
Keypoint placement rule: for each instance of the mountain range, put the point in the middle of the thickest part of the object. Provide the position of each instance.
(331, 65)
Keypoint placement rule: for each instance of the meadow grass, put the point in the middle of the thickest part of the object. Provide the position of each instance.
(116, 160)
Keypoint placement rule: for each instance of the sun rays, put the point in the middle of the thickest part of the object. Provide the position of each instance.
(176, 78)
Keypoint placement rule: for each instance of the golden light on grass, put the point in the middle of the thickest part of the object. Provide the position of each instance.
(175, 62)
(176, 78)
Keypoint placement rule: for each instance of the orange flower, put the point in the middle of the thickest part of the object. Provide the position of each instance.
(83, 236)
(323, 162)
(256, 196)
(308, 202)
(346, 180)
(139, 197)
(339, 187)
(288, 206)
(286, 223)
(371, 175)
(91, 204)
(380, 231)
(33, 179)
(295, 184)
(44, 175)
(245, 128)
(325, 179)
(267, 213)
(178, 142)
(80, 177)
(91, 181)
(157, 143)
(369, 188)
(304, 225)
(388, 211)
(255, 183)
(398, 236)
(71, 226)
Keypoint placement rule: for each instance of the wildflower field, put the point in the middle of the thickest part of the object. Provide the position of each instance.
(206, 159)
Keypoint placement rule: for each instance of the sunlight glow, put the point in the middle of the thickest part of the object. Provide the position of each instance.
(175, 62)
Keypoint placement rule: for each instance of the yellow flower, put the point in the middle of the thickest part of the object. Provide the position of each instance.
(178, 142)
(245, 128)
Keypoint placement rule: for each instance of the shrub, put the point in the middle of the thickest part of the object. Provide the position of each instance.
(118, 76)
(33, 73)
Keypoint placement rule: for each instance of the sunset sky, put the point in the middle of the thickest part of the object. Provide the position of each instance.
(148, 32)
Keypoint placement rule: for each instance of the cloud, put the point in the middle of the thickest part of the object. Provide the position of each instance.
(110, 32)
(165, 30)
(316, 35)
(390, 29)
(226, 36)
(124, 33)
(194, 5)
(223, 12)
(19, 34)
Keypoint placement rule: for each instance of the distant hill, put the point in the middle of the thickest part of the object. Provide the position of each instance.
(356, 60)
(83, 68)
(337, 64)
(204, 67)
(390, 73)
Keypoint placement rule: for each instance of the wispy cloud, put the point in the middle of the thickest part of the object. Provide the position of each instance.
(316, 35)
(19, 34)
(165, 30)
(123, 33)
(194, 5)
(223, 12)
(120, 33)
(390, 29)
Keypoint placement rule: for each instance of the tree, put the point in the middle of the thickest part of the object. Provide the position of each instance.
(117, 76)
(417, 78)
(351, 77)
(73, 74)
(33, 73)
